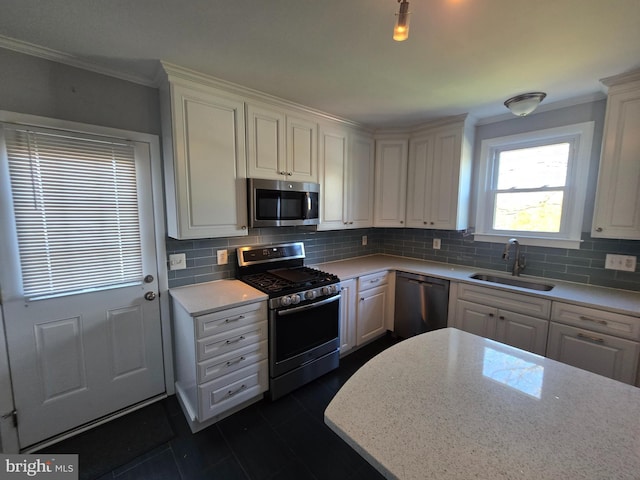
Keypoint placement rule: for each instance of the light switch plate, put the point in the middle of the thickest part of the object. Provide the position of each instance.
(364, 240)
(177, 261)
(436, 244)
(223, 258)
(625, 263)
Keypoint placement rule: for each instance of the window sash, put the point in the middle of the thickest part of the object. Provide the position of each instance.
(76, 211)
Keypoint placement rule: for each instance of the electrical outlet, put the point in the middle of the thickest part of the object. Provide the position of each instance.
(436, 244)
(364, 240)
(223, 259)
(626, 263)
(177, 261)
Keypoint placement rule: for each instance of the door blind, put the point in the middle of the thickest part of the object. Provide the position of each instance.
(76, 212)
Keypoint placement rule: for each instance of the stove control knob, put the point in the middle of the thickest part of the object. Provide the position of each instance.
(310, 294)
(285, 301)
(295, 299)
(326, 290)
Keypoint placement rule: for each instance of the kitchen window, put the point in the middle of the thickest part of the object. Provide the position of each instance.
(532, 186)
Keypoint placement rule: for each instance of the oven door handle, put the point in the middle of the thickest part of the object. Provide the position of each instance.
(291, 311)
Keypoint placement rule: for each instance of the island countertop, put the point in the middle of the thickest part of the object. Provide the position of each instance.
(451, 405)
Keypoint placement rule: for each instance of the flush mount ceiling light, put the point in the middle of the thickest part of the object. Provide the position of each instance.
(401, 30)
(522, 105)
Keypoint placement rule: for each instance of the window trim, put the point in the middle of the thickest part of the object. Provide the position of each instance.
(581, 137)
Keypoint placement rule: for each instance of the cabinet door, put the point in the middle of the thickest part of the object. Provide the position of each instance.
(266, 142)
(333, 165)
(391, 183)
(617, 207)
(609, 356)
(522, 331)
(360, 181)
(446, 182)
(475, 318)
(206, 190)
(371, 314)
(302, 148)
(348, 315)
(420, 172)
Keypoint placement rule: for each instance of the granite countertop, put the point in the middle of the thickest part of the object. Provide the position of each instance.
(451, 405)
(611, 299)
(210, 297)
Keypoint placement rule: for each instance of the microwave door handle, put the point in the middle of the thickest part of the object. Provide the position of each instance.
(291, 311)
(308, 205)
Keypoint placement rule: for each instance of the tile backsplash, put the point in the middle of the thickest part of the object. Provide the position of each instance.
(585, 265)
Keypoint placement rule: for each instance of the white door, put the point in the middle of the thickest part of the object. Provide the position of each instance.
(87, 347)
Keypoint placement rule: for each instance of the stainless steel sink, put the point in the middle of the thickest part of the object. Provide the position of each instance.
(513, 281)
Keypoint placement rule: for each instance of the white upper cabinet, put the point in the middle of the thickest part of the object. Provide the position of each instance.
(390, 182)
(617, 206)
(439, 176)
(281, 145)
(205, 161)
(346, 178)
(360, 181)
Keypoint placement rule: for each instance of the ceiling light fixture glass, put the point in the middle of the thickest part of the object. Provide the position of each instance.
(522, 105)
(401, 30)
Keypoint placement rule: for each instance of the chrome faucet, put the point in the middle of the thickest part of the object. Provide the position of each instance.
(520, 262)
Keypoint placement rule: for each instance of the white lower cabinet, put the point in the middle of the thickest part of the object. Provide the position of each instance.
(517, 320)
(348, 306)
(373, 306)
(221, 361)
(589, 338)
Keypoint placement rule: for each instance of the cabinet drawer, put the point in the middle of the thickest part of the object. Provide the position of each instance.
(224, 320)
(230, 362)
(612, 357)
(228, 341)
(514, 302)
(597, 320)
(226, 392)
(372, 280)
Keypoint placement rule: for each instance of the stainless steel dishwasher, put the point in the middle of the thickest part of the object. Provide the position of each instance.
(422, 304)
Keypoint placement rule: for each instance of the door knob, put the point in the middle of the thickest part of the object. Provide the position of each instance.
(150, 296)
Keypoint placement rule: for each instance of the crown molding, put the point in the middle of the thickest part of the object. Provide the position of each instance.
(71, 60)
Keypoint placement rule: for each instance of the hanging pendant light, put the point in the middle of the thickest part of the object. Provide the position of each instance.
(401, 30)
(522, 105)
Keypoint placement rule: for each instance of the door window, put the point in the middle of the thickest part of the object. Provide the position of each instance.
(76, 211)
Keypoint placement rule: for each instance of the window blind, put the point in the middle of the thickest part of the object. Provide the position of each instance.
(76, 211)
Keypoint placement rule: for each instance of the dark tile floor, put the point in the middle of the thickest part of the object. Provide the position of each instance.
(285, 439)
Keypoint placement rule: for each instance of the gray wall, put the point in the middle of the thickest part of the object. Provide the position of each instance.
(36, 86)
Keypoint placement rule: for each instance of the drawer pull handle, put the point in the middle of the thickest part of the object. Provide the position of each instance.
(587, 319)
(231, 393)
(237, 360)
(229, 320)
(241, 337)
(375, 280)
(589, 337)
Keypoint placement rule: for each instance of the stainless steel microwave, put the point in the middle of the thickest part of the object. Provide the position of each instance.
(279, 203)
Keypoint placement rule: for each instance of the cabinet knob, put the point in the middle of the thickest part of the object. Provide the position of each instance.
(362, 299)
(599, 229)
(501, 317)
(424, 223)
(401, 222)
(491, 315)
(244, 227)
(431, 223)
(283, 172)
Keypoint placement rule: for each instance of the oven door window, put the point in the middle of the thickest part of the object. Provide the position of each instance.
(306, 329)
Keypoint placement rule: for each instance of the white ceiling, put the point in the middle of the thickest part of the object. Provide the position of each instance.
(338, 56)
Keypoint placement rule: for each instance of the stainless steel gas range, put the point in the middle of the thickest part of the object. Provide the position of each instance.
(304, 310)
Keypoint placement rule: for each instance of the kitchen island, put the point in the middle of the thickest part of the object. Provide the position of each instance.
(451, 405)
